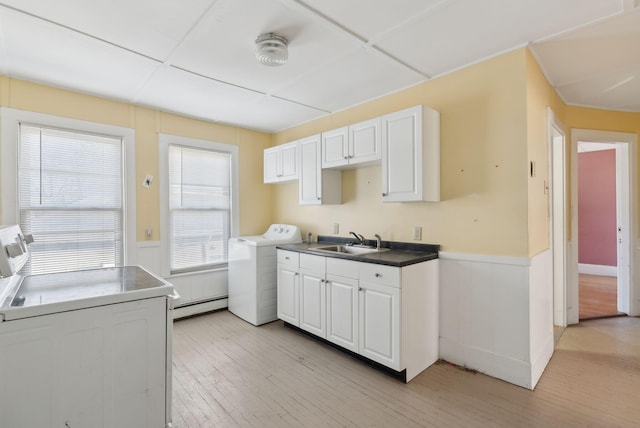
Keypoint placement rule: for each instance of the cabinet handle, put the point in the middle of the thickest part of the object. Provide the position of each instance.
(318, 197)
(346, 157)
(286, 258)
(384, 194)
(295, 274)
(378, 275)
(360, 288)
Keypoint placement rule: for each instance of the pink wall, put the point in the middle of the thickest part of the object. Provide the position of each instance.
(597, 226)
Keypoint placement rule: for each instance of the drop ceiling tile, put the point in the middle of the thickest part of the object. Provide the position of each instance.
(467, 31)
(360, 76)
(39, 51)
(222, 45)
(173, 90)
(368, 19)
(150, 27)
(591, 51)
(615, 90)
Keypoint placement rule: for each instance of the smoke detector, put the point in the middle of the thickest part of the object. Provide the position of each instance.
(271, 49)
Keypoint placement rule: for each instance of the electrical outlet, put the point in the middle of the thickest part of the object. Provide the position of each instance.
(417, 233)
(336, 228)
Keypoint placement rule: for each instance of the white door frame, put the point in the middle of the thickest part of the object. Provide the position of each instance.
(631, 142)
(558, 215)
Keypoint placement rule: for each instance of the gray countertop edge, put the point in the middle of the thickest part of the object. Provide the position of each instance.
(392, 257)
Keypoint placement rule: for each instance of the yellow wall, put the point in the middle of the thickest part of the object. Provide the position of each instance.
(483, 166)
(256, 208)
(540, 96)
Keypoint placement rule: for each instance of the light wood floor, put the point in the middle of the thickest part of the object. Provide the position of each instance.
(598, 296)
(228, 373)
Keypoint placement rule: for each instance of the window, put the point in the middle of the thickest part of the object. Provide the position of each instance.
(66, 181)
(199, 218)
(70, 198)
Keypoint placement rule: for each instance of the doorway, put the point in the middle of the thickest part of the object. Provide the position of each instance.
(625, 149)
(600, 201)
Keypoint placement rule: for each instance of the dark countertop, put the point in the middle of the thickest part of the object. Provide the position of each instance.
(398, 254)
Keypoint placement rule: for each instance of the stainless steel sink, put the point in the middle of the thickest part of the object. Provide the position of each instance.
(350, 249)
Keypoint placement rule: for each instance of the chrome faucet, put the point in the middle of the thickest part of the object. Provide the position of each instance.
(378, 241)
(359, 237)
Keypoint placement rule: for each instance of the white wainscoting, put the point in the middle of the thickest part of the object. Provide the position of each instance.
(495, 314)
(197, 290)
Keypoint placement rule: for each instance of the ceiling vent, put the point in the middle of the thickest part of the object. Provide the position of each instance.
(271, 49)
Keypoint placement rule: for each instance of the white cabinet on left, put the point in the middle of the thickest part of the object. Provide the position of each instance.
(281, 163)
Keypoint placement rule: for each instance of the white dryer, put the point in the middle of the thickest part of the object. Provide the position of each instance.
(253, 273)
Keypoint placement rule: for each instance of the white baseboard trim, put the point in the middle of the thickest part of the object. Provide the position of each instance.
(600, 270)
(198, 308)
(508, 369)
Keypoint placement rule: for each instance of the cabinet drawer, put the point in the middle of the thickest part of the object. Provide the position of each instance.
(379, 274)
(314, 263)
(344, 268)
(289, 258)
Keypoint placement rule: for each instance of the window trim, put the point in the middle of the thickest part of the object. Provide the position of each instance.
(164, 141)
(9, 141)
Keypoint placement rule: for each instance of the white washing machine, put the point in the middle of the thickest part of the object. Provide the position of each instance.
(253, 273)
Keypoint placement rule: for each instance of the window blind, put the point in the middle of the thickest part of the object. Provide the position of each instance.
(70, 197)
(199, 208)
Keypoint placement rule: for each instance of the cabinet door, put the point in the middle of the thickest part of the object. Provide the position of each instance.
(288, 305)
(364, 141)
(312, 303)
(335, 148)
(342, 311)
(271, 173)
(402, 155)
(310, 173)
(379, 324)
(289, 162)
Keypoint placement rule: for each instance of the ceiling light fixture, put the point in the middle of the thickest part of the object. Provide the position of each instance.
(271, 49)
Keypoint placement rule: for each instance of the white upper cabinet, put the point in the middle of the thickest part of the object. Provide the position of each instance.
(281, 163)
(316, 186)
(411, 155)
(352, 145)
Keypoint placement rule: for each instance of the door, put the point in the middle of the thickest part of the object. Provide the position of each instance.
(364, 141)
(342, 311)
(310, 187)
(289, 162)
(271, 173)
(379, 326)
(335, 148)
(312, 303)
(288, 304)
(558, 217)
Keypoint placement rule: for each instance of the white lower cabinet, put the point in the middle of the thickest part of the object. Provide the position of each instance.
(312, 303)
(380, 324)
(288, 287)
(342, 312)
(386, 314)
